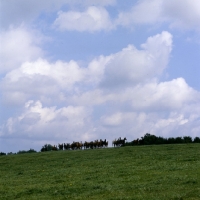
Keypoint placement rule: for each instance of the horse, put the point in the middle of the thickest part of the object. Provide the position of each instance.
(67, 146)
(54, 148)
(114, 142)
(79, 145)
(119, 142)
(60, 146)
(122, 141)
(105, 143)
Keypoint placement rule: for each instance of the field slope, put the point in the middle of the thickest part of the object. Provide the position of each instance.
(139, 172)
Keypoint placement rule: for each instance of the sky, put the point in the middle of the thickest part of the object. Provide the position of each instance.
(73, 70)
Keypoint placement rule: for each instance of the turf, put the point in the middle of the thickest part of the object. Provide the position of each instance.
(139, 172)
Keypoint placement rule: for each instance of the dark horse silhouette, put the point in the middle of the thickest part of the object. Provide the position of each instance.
(119, 142)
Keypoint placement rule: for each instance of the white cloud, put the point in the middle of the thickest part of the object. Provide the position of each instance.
(94, 2)
(154, 97)
(40, 80)
(43, 80)
(143, 12)
(183, 14)
(132, 66)
(176, 124)
(51, 123)
(70, 82)
(69, 103)
(17, 46)
(65, 74)
(164, 96)
(179, 14)
(93, 19)
(23, 11)
(113, 120)
(134, 124)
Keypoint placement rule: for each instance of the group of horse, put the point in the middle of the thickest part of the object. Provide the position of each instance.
(86, 145)
(138, 142)
(118, 142)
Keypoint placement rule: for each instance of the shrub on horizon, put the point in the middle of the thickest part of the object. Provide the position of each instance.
(29, 151)
(11, 153)
(196, 140)
(187, 139)
(46, 147)
(2, 153)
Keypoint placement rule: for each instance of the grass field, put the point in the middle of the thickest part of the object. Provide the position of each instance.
(139, 172)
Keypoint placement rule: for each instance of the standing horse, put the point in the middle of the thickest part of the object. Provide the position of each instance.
(67, 146)
(114, 142)
(105, 143)
(60, 146)
(123, 141)
(119, 142)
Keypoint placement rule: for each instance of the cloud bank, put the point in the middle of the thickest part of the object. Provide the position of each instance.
(17, 46)
(93, 19)
(178, 14)
(23, 11)
(116, 94)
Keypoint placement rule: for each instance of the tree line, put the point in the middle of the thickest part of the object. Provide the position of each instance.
(147, 139)
(150, 139)
(19, 152)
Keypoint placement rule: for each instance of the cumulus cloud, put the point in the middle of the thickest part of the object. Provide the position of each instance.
(115, 95)
(134, 122)
(22, 11)
(160, 98)
(65, 74)
(41, 122)
(182, 14)
(18, 12)
(132, 66)
(164, 96)
(93, 19)
(40, 79)
(117, 119)
(143, 12)
(94, 2)
(125, 68)
(177, 13)
(44, 80)
(17, 46)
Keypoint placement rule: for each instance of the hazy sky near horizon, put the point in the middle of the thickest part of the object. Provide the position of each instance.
(74, 70)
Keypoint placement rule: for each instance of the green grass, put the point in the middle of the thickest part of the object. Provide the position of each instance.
(139, 172)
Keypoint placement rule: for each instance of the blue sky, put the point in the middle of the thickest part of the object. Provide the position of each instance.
(85, 70)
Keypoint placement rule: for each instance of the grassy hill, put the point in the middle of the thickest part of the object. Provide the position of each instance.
(138, 172)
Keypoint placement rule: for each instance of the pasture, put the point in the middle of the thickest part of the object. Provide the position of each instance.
(135, 172)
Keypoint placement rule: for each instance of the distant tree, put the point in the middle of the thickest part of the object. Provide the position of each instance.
(128, 144)
(47, 147)
(152, 139)
(2, 154)
(32, 151)
(196, 140)
(179, 140)
(187, 139)
(171, 140)
(141, 141)
(21, 152)
(29, 151)
(161, 140)
(11, 153)
(149, 139)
